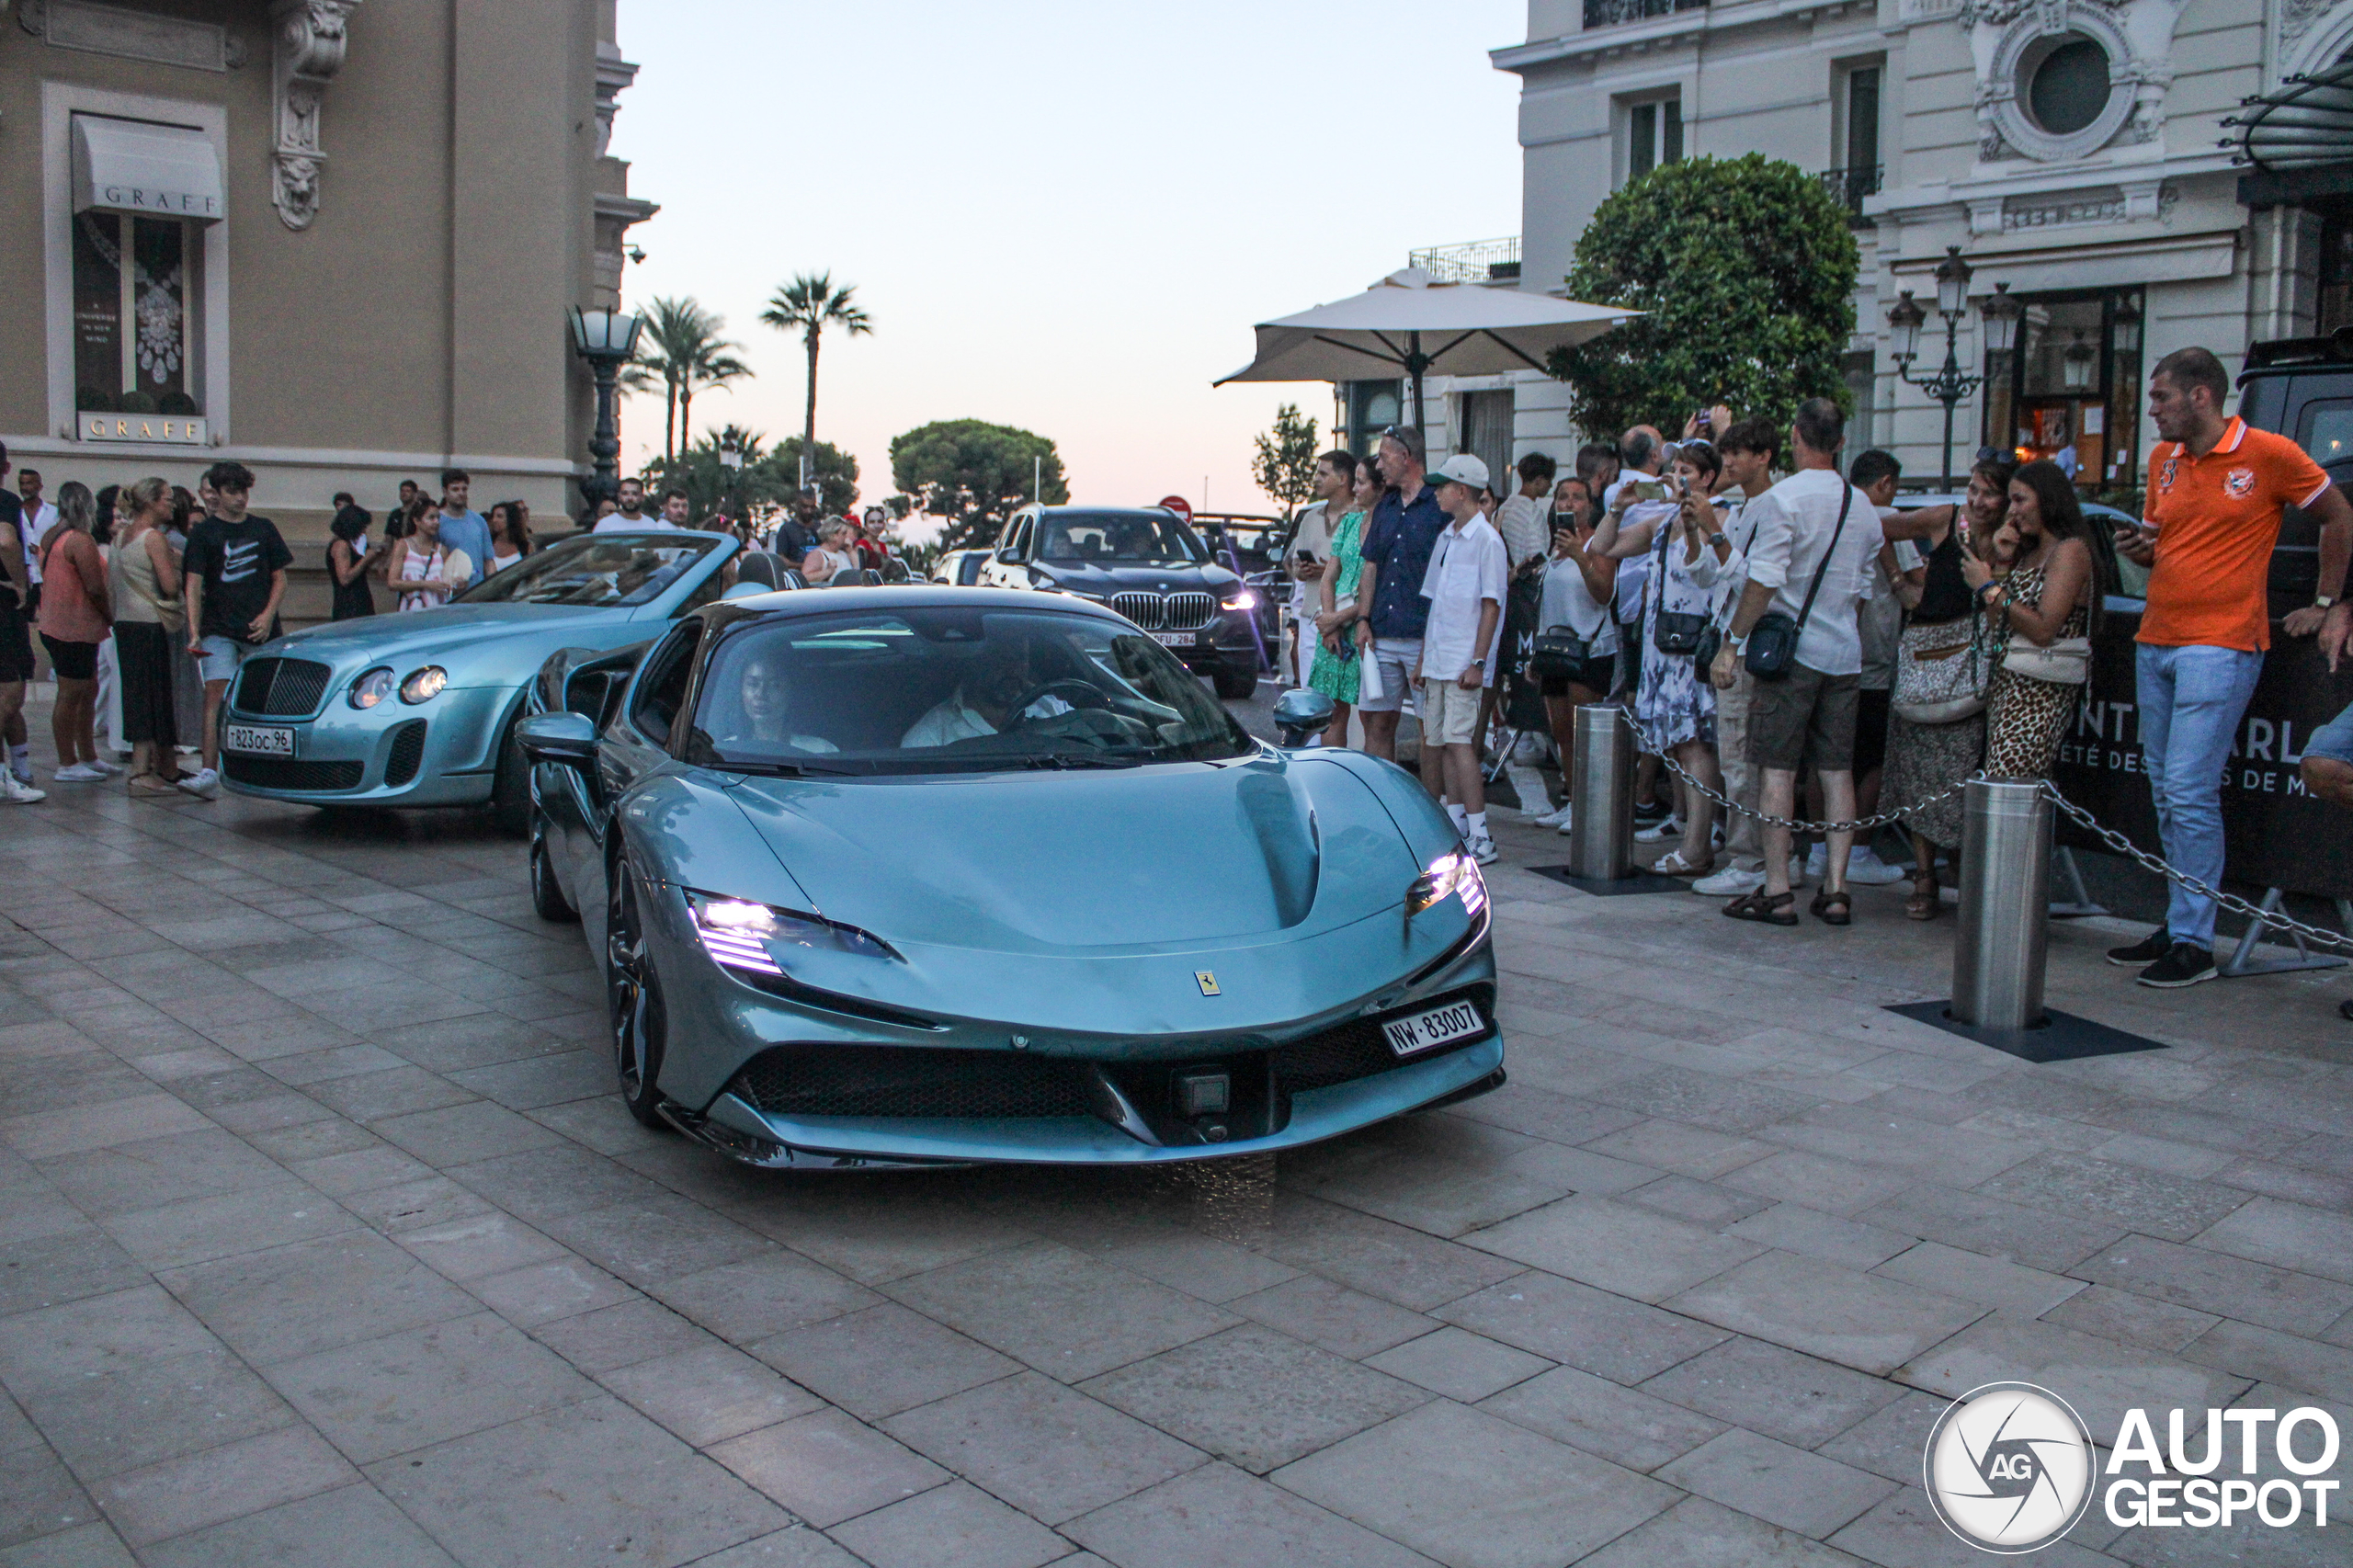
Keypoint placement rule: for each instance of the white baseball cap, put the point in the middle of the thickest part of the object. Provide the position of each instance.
(1462, 469)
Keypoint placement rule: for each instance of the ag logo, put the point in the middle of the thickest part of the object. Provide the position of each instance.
(2239, 483)
(2009, 1468)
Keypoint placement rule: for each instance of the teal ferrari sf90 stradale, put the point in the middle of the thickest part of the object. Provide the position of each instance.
(931, 875)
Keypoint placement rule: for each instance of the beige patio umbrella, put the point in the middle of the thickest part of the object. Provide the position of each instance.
(1412, 323)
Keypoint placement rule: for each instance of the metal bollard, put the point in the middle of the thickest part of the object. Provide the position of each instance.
(1601, 845)
(1997, 959)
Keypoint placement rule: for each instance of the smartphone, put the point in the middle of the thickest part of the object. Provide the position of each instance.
(1648, 489)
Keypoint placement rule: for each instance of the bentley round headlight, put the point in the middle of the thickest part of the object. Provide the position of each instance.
(425, 685)
(371, 687)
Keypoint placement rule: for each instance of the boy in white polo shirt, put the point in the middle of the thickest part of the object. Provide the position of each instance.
(1465, 586)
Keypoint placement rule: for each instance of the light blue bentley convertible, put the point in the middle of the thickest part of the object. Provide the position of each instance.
(923, 875)
(419, 710)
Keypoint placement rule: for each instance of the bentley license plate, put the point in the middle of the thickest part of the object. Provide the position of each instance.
(262, 739)
(1412, 1035)
(1176, 639)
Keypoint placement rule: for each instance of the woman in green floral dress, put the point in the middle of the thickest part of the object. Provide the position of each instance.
(1332, 675)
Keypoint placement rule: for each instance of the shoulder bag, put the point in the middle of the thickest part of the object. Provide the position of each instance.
(1942, 672)
(2068, 662)
(1674, 631)
(1773, 641)
(1559, 653)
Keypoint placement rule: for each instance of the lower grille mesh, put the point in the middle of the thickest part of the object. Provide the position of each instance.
(832, 1080)
(290, 773)
(407, 754)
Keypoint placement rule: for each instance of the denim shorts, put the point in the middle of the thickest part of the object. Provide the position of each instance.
(222, 655)
(2333, 740)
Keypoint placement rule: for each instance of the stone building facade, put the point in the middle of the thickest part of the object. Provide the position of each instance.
(333, 239)
(2075, 150)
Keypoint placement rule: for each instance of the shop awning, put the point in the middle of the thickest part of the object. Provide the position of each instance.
(2306, 123)
(163, 171)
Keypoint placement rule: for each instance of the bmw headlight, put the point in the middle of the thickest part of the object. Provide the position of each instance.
(1247, 598)
(425, 685)
(1451, 875)
(371, 687)
(736, 933)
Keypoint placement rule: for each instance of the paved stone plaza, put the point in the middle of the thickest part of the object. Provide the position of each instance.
(325, 1242)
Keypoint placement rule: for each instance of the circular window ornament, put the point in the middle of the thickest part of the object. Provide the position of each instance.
(2056, 96)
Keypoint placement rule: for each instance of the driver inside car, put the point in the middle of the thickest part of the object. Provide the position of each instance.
(764, 697)
(982, 702)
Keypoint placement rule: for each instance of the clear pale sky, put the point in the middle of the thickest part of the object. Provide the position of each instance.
(1062, 214)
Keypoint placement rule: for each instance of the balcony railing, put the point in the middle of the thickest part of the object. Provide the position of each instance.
(1477, 261)
(1610, 13)
(1849, 186)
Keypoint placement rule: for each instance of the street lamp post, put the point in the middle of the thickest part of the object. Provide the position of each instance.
(607, 340)
(731, 458)
(1948, 385)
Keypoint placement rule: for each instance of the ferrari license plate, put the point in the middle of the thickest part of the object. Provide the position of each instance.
(1177, 639)
(1418, 1032)
(261, 740)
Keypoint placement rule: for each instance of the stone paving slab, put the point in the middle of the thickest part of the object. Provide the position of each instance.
(297, 1265)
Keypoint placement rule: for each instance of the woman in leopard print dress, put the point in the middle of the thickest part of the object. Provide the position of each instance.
(2043, 587)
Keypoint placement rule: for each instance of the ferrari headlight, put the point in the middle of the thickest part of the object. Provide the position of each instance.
(425, 685)
(1451, 875)
(371, 687)
(737, 932)
(1246, 599)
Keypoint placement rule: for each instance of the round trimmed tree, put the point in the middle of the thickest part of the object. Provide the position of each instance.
(1746, 269)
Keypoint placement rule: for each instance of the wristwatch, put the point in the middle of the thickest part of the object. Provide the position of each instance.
(2321, 601)
(1737, 644)
(1718, 540)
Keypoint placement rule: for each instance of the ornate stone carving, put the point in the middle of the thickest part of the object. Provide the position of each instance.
(2296, 17)
(2008, 39)
(613, 74)
(308, 39)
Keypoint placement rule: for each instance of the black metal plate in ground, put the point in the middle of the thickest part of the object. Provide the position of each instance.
(2062, 1037)
(1640, 881)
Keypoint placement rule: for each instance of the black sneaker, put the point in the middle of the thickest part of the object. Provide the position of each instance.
(2185, 963)
(1650, 813)
(2344, 1010)
(2145, 951)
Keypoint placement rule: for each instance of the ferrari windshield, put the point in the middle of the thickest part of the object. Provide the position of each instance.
(947, 688)
(603, 571)
(1122, 539)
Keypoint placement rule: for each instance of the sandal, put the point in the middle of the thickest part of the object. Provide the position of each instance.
(1822, 909)
(1773, 909)
(148, 784)
(1925, 901)
(1673, 863)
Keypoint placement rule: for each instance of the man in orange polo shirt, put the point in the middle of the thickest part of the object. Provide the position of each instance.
(2216, 492)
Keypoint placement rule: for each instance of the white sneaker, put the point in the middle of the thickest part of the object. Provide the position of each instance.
(80, 773)
(1481, 848)
(1528, 785)
(204, 784)
(21, 775)
(1817, 861)
(19, 794)
(1864, 869)
(1730, 883)
(1557, 817)
(111, 769)
(1798, 872)
(1666, 827)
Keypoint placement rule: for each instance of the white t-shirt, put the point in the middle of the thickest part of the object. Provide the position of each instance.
(953, 721)
(1795, 522)
(1521, 521)
(1467, 568)
(617, 524)
(38, 520)
(1569, 601)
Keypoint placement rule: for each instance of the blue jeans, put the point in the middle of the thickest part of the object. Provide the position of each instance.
(2191, 701)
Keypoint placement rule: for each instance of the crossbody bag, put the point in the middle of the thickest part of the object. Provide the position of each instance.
(1674, 631)
(1773, 641)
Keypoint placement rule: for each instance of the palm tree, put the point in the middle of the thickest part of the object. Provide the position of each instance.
(684, 352)
(810, 303)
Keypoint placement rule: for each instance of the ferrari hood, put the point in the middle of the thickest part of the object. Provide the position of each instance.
(1161, 858)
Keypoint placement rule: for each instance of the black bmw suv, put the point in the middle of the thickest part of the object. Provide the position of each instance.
(1146, 564)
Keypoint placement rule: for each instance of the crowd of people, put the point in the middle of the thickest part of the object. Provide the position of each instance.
(1786, 636)
(815, 545)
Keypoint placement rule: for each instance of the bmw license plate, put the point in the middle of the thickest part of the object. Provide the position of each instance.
(261, 740)
(1176, 639)
(1418, 1032)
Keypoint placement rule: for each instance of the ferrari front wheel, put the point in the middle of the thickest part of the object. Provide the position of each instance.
(633, 1001)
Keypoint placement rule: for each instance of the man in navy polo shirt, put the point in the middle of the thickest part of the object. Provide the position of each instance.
(1391, 611)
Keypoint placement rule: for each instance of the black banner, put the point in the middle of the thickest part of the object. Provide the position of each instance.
(2278, 834)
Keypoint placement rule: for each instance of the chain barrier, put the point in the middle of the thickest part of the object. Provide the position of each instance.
(2311, 935)
(1860, 824)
